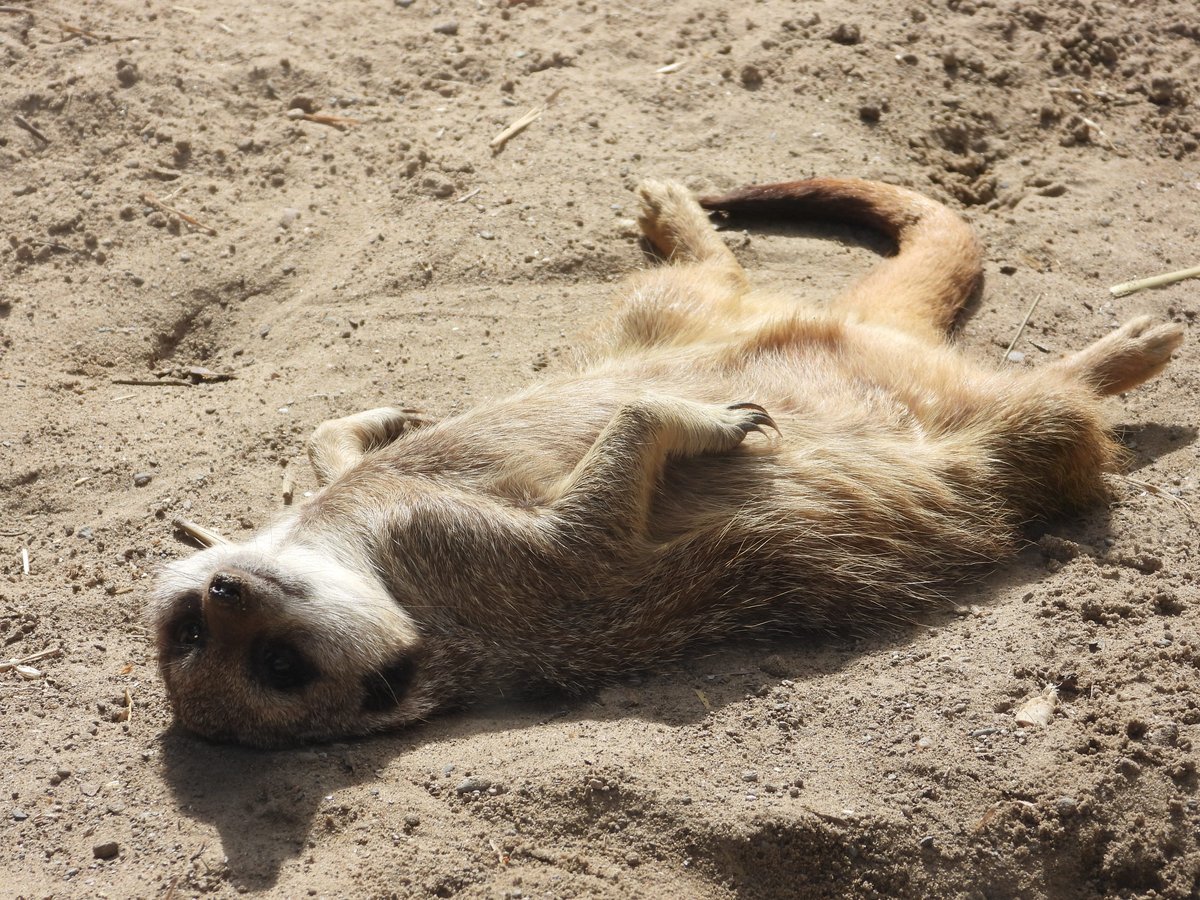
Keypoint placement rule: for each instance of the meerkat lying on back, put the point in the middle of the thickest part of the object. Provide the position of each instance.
(611, 516)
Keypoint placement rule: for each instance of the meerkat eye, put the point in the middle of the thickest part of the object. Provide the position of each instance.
(189, 633)
(281, 667)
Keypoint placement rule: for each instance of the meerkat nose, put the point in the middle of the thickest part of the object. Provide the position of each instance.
(226, 590)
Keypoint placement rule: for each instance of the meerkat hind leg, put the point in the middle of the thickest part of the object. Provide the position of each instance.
(1135, 352)
(680, 231)
(337, 445)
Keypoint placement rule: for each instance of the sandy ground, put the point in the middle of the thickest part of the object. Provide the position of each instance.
(399, 259)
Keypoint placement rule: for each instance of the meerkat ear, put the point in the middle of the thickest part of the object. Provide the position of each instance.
(383, 690)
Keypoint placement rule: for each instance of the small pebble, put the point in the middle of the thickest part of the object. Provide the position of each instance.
(107, 850)
(288, 216)
(472, 784)
(450, 27)
(751, 77)
(20, 815)
(141, 479)
(437, 185)
(86, 533)
(1016, 356)
(750, 776)
(869, 113)
(846, 34)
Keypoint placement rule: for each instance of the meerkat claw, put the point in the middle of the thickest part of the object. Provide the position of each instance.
(758, 418)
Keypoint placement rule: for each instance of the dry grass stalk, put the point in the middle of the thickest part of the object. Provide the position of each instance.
(1141, 284)
(151, 200)
(1024, 322)
(198, 533)
(497, 143)
(25, 124)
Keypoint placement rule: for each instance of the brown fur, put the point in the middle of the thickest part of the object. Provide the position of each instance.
(613, 515)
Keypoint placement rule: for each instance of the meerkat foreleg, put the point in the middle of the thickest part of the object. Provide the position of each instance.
(611, 488)
(338, 444)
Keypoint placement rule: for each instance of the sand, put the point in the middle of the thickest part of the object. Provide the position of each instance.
(396, 258)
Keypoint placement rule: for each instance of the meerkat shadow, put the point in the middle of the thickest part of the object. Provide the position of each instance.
(262, 803)
(1150, 441)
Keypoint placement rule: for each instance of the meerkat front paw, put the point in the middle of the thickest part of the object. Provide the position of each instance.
(694, 429)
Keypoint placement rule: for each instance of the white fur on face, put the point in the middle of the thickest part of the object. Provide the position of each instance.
(343, 610)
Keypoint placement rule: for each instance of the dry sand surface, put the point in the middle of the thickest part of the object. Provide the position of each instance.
(398, 258)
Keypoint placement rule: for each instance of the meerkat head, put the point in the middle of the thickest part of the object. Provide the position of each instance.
(275, 641)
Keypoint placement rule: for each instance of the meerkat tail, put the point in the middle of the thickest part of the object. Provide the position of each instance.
(920, 290)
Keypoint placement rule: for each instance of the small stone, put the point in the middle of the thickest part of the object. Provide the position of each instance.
(141, 479)
(19, 815)
(751, 77)
(1057, 189)
(846, 34)
(295, 114)
(1008, 269)
(86, 533)
(471, 784)
(412, 821)
(107, 850)
(1162, 90)
(137, 280)
(185, 256)
(289, 269)
(127, 73)
(926, 843)
(869, 113)
(437, 185)
(750, 776)
(632, 860)
(288, 216)
(487, 235)
(1066, 806)
(303, 103)
(450, 27)
(1128, 767)
(1016, 356)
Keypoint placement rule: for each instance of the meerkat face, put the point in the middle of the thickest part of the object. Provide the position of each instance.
(273, 642)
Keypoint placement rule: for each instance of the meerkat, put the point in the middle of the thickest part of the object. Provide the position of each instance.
(716, 461)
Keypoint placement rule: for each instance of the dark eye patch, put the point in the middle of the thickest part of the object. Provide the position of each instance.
(280, 666)
(186, 630)
(383, 690)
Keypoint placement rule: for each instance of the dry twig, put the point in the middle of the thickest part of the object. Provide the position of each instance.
(1024, 322)
(151, 200)
(24, 123)
(199, 533)
(23, 662)
(497, 143)
(1132, 287)
(153, 382)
